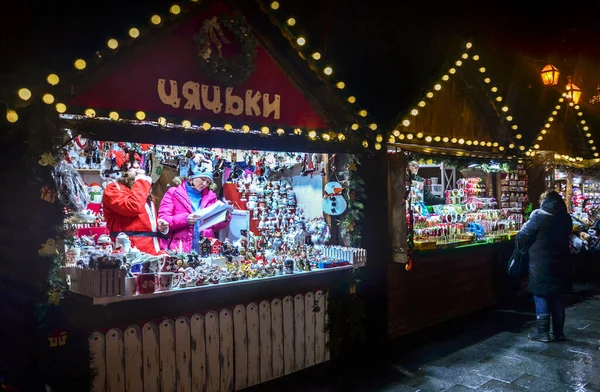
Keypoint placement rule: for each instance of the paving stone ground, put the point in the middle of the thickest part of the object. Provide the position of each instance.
(488, 352)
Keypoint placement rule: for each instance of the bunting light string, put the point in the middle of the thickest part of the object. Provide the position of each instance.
(322, 67)
(546, 128)
(80, 65)
(584, 128)
(501, 107)
(405, 123)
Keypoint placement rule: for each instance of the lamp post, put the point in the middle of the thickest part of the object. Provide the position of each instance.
(550, 75)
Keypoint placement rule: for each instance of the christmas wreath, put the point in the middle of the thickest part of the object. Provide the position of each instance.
(210, 40)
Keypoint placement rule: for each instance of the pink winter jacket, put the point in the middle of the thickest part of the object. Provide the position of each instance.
(175, 208)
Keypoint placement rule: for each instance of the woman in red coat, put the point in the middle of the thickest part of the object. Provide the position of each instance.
(128, 207)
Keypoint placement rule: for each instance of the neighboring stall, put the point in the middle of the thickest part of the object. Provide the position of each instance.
(208, 93)
(458, 195)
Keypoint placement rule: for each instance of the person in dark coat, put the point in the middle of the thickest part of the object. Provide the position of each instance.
(428, 198)
(546, 236)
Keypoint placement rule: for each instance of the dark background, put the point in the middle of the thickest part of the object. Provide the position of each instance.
(386, 51)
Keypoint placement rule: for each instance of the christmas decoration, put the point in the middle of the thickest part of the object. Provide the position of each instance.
(57, 339)
(48, 159)
(48, 194)
(333, 200)
(350, 221)
(48, 248)
(212, 61)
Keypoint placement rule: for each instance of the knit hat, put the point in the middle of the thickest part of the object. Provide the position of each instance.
(201, 172)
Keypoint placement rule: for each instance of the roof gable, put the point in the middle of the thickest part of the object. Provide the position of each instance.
(165, 79)
(463, 110)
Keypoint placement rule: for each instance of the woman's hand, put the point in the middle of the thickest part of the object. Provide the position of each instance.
(192, 219)
(163, 225)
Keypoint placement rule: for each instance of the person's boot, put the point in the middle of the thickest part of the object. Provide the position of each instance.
(541, 333)
(558, 326)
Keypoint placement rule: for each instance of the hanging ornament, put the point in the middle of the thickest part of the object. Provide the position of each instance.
(333, 200)
(48, 248)
(47, 159)
(48, 194)
(57, 339)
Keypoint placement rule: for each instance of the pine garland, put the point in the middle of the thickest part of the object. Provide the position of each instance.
(350, 223)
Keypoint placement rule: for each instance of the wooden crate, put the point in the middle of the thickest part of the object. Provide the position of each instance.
(97, 283)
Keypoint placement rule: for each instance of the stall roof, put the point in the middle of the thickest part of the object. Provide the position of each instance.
(464, 110)
(153, 78)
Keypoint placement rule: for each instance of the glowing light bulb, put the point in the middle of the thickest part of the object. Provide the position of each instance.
(354, 127)
(414, 112)
(162, 121)
(12, 116)
(186, 124)
(476, 57)
(24, 94)
(280, 131)
(265, 130)
(80, 64)
(373, 126)
(90, 112)
(48, 99)
(275, 5)
(428, 139)
(437, 87)
(482, 69)
(112, 44)
(420, 135)
(291, 22)
(245, 128)
(301, 41)
(113, 116)
(312, 134)
(316, 56)
(134, 33)
(175, 9)
(429, 94)
(140, 115)
(341, 137)
(362, 113)
(227, 127)
(340, 85)
(206, 126)
(445, 78)
(379, 138)
(155, 20)
(328, 71)
(351, 99)
(52, 79)
(487, 80)
(468, 45)
(499, 98)
(61, 107)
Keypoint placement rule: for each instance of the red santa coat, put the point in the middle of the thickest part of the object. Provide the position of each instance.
(128, 210)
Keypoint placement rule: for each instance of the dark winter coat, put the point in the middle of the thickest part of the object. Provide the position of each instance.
(546, 233)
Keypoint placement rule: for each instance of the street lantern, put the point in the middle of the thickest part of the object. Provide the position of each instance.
(573, 92)
(550, 75)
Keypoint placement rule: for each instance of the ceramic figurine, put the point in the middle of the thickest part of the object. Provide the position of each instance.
(288, 266)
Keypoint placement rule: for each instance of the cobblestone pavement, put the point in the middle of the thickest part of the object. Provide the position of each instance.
(488, 351)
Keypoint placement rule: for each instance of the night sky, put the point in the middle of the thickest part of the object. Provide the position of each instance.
(386, 51)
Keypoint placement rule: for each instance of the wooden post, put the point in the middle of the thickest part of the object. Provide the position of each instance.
(397, 207)
(569, 191)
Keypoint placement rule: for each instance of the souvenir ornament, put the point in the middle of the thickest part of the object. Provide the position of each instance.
(333, 200)
(48, 194)
(48, 248)
(47, 159)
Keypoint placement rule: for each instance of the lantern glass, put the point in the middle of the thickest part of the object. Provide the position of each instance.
(573, 93)
(550, 75)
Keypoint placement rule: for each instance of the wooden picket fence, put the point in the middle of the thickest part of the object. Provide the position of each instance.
(214, 351)
(97, 283)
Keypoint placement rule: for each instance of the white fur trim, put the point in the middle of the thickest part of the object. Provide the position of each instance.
(150, 211)
(144, 178)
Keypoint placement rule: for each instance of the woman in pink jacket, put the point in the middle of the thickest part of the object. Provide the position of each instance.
(177, 207)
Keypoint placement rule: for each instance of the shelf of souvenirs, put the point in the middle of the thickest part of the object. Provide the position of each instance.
(456, 227)
(107, 277)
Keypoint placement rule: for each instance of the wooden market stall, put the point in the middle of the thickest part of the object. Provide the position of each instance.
(221, 78)
(463, 135)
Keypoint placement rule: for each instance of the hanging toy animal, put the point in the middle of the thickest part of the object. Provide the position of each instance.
(333, 200)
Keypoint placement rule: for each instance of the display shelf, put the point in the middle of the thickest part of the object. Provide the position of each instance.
(89, 170)
(168, 293)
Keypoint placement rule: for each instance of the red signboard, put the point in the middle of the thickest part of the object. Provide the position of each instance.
(165, 79)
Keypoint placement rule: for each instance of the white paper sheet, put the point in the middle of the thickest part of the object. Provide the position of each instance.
(213, 214)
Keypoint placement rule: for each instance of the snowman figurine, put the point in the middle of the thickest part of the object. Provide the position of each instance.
(333, 200)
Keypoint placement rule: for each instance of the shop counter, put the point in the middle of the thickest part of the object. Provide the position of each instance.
(444, 284)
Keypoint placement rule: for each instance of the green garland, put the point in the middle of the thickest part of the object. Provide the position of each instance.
(350, 223)
(226, 71)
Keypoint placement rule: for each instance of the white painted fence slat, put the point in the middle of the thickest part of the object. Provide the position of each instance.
(168, 382)
(277, 333)
(266, 343)
(240, 336)
(150, 352)
(183, 354)
(114, 360)
(226, 348)
(253, 344)
(309, 328)
(212, 351)
(97, 343)
(320, 328)
(198, 354)
(299, 347)
(326, 323)
(134, 370)
(288, 335)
